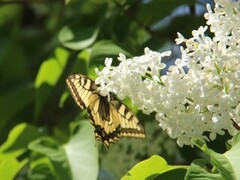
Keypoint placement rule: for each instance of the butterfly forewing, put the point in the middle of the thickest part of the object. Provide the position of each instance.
(81, 88)
(111, 119)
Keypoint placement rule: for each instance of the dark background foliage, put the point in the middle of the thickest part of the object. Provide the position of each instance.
(42, 42)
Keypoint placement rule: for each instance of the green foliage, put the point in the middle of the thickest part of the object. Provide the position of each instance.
(47, 77)
(103, 49)
(138, 149)
(65, 160)
(49, 158)
(9, 168)
(198, 170)
(43, 134)
(84, 142)
(13, 151)
(155, 168)
(224, 166)
(66, 35)
(18, 139)
(54, 152)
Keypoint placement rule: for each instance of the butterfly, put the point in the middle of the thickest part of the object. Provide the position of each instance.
(111, 118)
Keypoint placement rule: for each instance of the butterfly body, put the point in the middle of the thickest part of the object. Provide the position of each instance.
(111, 119)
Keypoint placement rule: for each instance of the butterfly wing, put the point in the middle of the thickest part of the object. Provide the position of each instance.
(113, 120)
(105, 119)
(110, 119)
(130, 125)
(81, 87)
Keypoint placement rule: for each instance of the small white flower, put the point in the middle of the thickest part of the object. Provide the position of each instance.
(108, 62)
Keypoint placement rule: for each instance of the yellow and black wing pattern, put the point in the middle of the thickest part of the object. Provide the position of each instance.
(111, 119)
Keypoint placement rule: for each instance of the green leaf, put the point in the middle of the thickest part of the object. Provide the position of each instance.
(81, 64)
(198, 170)
(228, 163)
(103, 49)
(18, 140)
(51, 69)
(78, 159)
(153, 168)
(233, 155)
(77, 41)
(48, 76)
(9, 13)
(13, 148)
(82, 153)
(63, 99)
(149, 12)
(41, 168)
(9, 167)
(177, 173)
(49, 147)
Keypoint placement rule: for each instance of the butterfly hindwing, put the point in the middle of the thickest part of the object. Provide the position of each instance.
(104, 119)
(130, 125)
(111, 119)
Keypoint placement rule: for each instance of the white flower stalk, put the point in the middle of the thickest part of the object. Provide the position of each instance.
(188, 103)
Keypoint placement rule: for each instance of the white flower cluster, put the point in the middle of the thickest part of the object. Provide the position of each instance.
(199, 102)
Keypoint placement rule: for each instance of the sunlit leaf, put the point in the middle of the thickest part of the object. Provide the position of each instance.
(155, 168)
(18, 140)
(51, 69)
(10, 167)
(47, 77)
(82, 153)
(15, 147)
